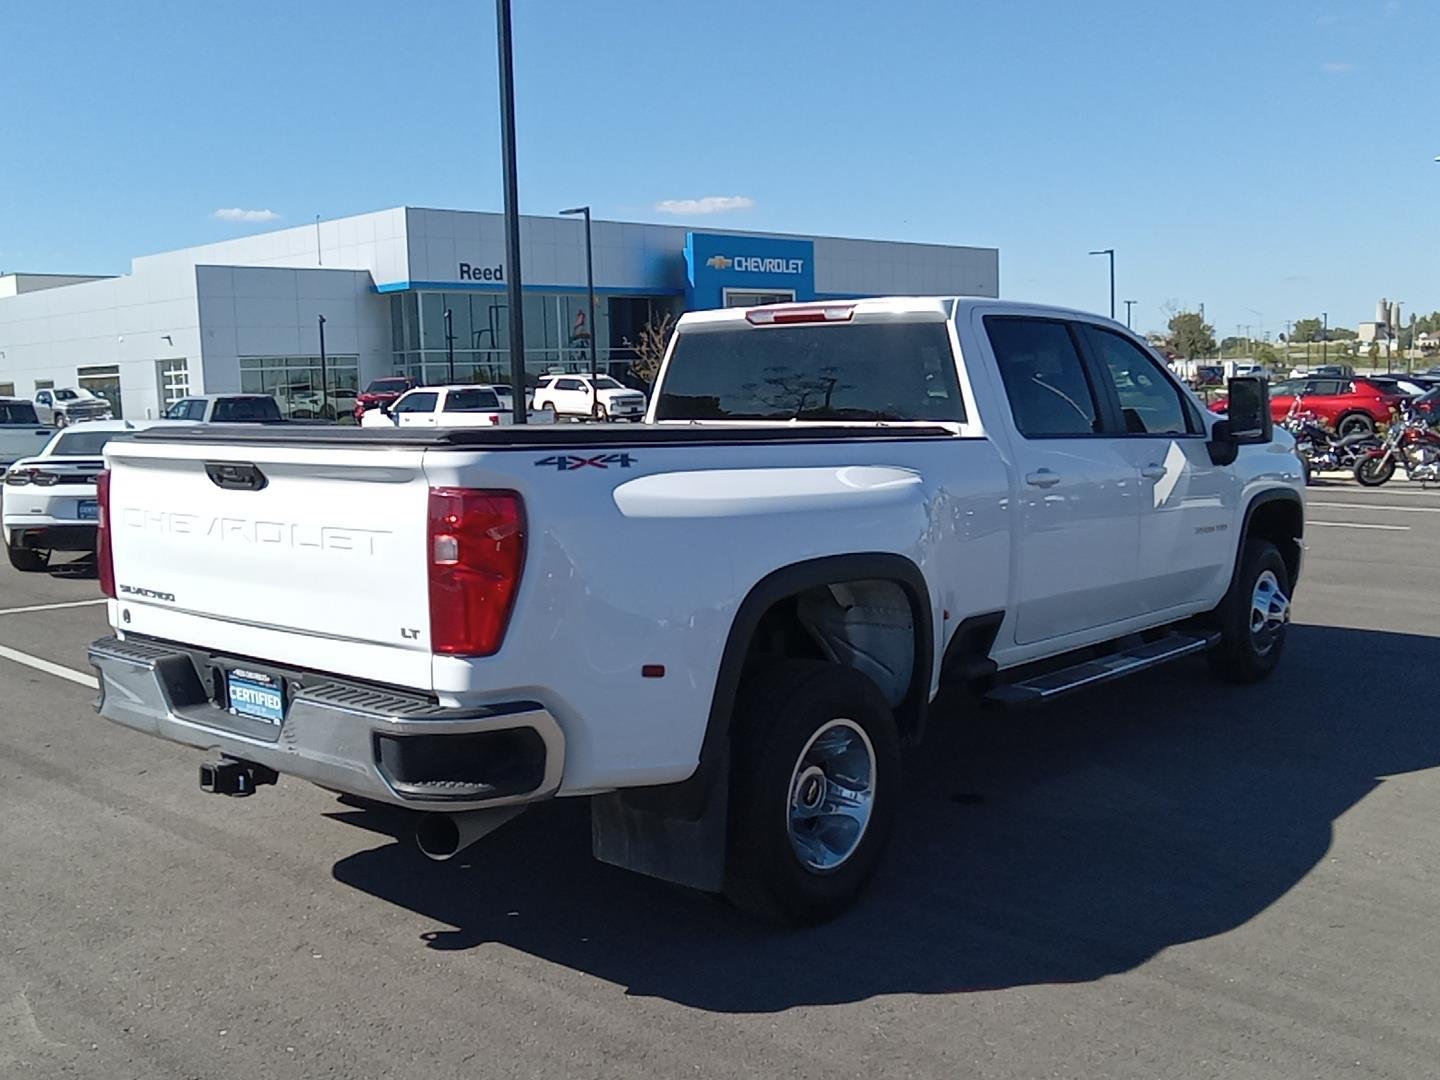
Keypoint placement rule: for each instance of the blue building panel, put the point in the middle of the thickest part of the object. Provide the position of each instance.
(715, 262)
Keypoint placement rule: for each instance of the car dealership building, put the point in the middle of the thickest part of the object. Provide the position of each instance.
(247, 314)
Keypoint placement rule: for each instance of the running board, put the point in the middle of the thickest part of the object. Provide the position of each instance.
(1040, 688)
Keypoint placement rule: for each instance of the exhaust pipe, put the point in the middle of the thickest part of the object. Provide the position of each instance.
(443, 836)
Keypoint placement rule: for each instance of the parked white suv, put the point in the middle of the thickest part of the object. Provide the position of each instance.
(589, 395)
(67, 405)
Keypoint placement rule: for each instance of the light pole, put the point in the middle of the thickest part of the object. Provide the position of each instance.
(1128, 305)
(513, 300)
(1325, 338)
(1110, 252)
(324, 388)
(449, 349)
(590, 293)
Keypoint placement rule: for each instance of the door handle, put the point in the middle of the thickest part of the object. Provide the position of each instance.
(1042, 478)
(1153, 472)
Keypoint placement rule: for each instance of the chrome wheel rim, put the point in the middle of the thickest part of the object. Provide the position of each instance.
(832, 793)
(1269, 612)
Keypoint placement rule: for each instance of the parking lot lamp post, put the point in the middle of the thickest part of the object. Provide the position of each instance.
(514, 299)
(1128, 305)
(1325, 338)
(324, 388)
(449, 349)
(1110, 252)
(590, 293)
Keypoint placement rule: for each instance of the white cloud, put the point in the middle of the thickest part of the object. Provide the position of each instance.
(234, 213)
(1337, 67)
(710, 204)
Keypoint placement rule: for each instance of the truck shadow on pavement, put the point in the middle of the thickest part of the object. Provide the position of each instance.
(1055, 846)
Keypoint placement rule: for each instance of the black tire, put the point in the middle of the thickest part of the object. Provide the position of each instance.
(553, 412)
(61, 420)
(1354, 423)
(1243, 655)
(781, 710)
(601, 413)
(28, 560)
(1305, 471)
(1370, 472)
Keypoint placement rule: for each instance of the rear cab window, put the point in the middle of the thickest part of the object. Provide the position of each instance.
(247, 410)
(471, 401)
(871, 370)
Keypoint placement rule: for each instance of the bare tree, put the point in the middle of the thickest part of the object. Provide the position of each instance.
(654, 339)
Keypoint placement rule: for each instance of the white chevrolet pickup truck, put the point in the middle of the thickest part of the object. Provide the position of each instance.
(722, 625)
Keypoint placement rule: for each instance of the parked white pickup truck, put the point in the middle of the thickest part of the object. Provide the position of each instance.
(722, 625)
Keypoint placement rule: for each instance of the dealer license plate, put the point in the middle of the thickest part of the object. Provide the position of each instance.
(255, 695)
(89, 510)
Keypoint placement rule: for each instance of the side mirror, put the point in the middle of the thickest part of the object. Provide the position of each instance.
(1247, 420)
(1249, 411)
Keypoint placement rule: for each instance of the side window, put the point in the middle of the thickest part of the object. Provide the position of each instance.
(569, 384)
(1150, 404)
(1044, 377)
(417, 403)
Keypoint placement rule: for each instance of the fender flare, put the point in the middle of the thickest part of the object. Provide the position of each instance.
(1265, 498)
(688, 797)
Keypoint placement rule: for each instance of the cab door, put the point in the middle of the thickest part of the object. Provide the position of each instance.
(1187, 504)
(1076, 532)
(45, 406)
(416, 409)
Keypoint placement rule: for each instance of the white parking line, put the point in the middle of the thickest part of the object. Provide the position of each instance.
(46, 666)
(1356, 506)
(50, 607)
(1358, 525)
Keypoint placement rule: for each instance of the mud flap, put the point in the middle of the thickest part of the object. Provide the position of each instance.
(657, 831)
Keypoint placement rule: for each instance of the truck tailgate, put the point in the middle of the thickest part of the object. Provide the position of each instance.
(306, 556)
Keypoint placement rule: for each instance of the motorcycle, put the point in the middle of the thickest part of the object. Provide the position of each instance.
(1321, 449)
(1411, 442)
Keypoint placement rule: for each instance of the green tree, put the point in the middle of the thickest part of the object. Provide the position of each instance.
(1190, 335)
(1307, 330)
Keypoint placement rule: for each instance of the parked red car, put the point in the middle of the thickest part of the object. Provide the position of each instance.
(381, 392)
(1346, 405)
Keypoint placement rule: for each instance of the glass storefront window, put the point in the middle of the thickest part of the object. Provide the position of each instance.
(557, 328)
(294, 382)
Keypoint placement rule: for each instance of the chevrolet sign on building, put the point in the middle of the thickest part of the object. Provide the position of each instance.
(729, 270)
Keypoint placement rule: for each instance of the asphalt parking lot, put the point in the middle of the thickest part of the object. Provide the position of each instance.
(1159, 878)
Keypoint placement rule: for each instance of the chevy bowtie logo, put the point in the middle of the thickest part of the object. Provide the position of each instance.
(719, 262)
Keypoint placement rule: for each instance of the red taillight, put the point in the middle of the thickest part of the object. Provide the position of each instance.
(477, 551)
(104, 555)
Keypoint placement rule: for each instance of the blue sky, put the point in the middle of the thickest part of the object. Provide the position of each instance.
(1269, 156)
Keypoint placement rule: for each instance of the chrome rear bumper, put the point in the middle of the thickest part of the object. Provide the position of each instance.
(387, 745)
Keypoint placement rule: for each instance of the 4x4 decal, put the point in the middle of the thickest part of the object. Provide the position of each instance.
(571, 462)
